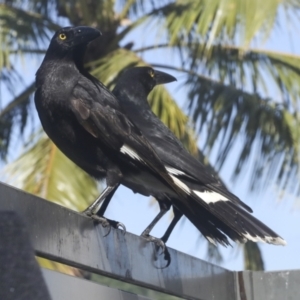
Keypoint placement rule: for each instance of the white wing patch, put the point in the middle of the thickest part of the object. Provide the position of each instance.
(252, 238)
(210, 197)
(180, 184)
(211, 240)
(265, 239)
(276, 241)
(207, 196)
(129, 151)
(174, 171)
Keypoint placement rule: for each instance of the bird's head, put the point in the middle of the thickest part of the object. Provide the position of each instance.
(147, 77)
(69, 39)
(136, 83)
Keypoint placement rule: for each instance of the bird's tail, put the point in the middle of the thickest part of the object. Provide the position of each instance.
(227, 219)
(214, 210)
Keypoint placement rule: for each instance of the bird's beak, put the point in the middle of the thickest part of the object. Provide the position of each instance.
(162, 77)
(85, 34)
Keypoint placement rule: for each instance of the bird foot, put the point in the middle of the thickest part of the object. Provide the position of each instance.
(159, 244)
(106, 223)
(114, 224)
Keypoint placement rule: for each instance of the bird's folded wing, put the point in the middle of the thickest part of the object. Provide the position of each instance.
(181, 164)
(185, 167)
(116, 132)
(223, 209)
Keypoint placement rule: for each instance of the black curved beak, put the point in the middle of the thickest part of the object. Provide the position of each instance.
(162, 77)
(85, 34)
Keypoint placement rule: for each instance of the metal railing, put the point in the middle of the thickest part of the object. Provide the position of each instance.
(65, 236)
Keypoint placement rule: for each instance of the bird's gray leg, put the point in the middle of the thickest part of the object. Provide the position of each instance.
(164, 207)
(95, 206)
(105, 203)
(95, 211)
(101, 211)
(160, 243)
(162, 212)
(177, 216)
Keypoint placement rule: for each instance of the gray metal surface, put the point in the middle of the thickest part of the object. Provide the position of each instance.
(63, 287)
(68, 237)
(281, 285)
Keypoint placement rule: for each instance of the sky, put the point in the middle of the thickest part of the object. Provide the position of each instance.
(281, 215)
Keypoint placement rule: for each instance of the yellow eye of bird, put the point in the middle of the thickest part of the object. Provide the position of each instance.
(151, 73)
(62, 36)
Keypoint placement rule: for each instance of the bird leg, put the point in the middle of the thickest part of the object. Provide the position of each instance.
(177, 216)
(101, 211)
(95, 206)
(164, 207)
(105, 203)
(95, 212)
(161, 243)
(161, 213)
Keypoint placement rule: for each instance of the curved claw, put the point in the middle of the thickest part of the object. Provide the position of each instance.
(165, 252)
(160, 244)
(167, 257)
(103, 221)
(164, 249)
(121, 226)
(108, 232)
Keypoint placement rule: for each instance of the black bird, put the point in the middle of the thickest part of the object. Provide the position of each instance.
(85, 121)
(214, 210)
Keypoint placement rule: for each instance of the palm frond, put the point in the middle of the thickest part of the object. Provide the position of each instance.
(214, 21)
(136, 8)
(272, 73)
(253, 257)
(22, 33)
(14, 115)
(44, 171)
(265, 127)
(30, 31)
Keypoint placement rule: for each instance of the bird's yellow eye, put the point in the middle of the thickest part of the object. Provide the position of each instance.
(62, 36)
(151, 73)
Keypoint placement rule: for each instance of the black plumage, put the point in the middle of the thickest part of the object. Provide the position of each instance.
(212, 208)
(85, 121)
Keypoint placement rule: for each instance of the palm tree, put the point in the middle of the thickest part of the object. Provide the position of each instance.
(228, 83)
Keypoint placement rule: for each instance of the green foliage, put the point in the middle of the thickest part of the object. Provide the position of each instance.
(15, 113)
(265, 127)
(253, 257)
(44, 171)
(131, 288)
(28, 32)
(222, 22)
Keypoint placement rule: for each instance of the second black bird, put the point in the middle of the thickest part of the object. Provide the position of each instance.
(214, 210)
